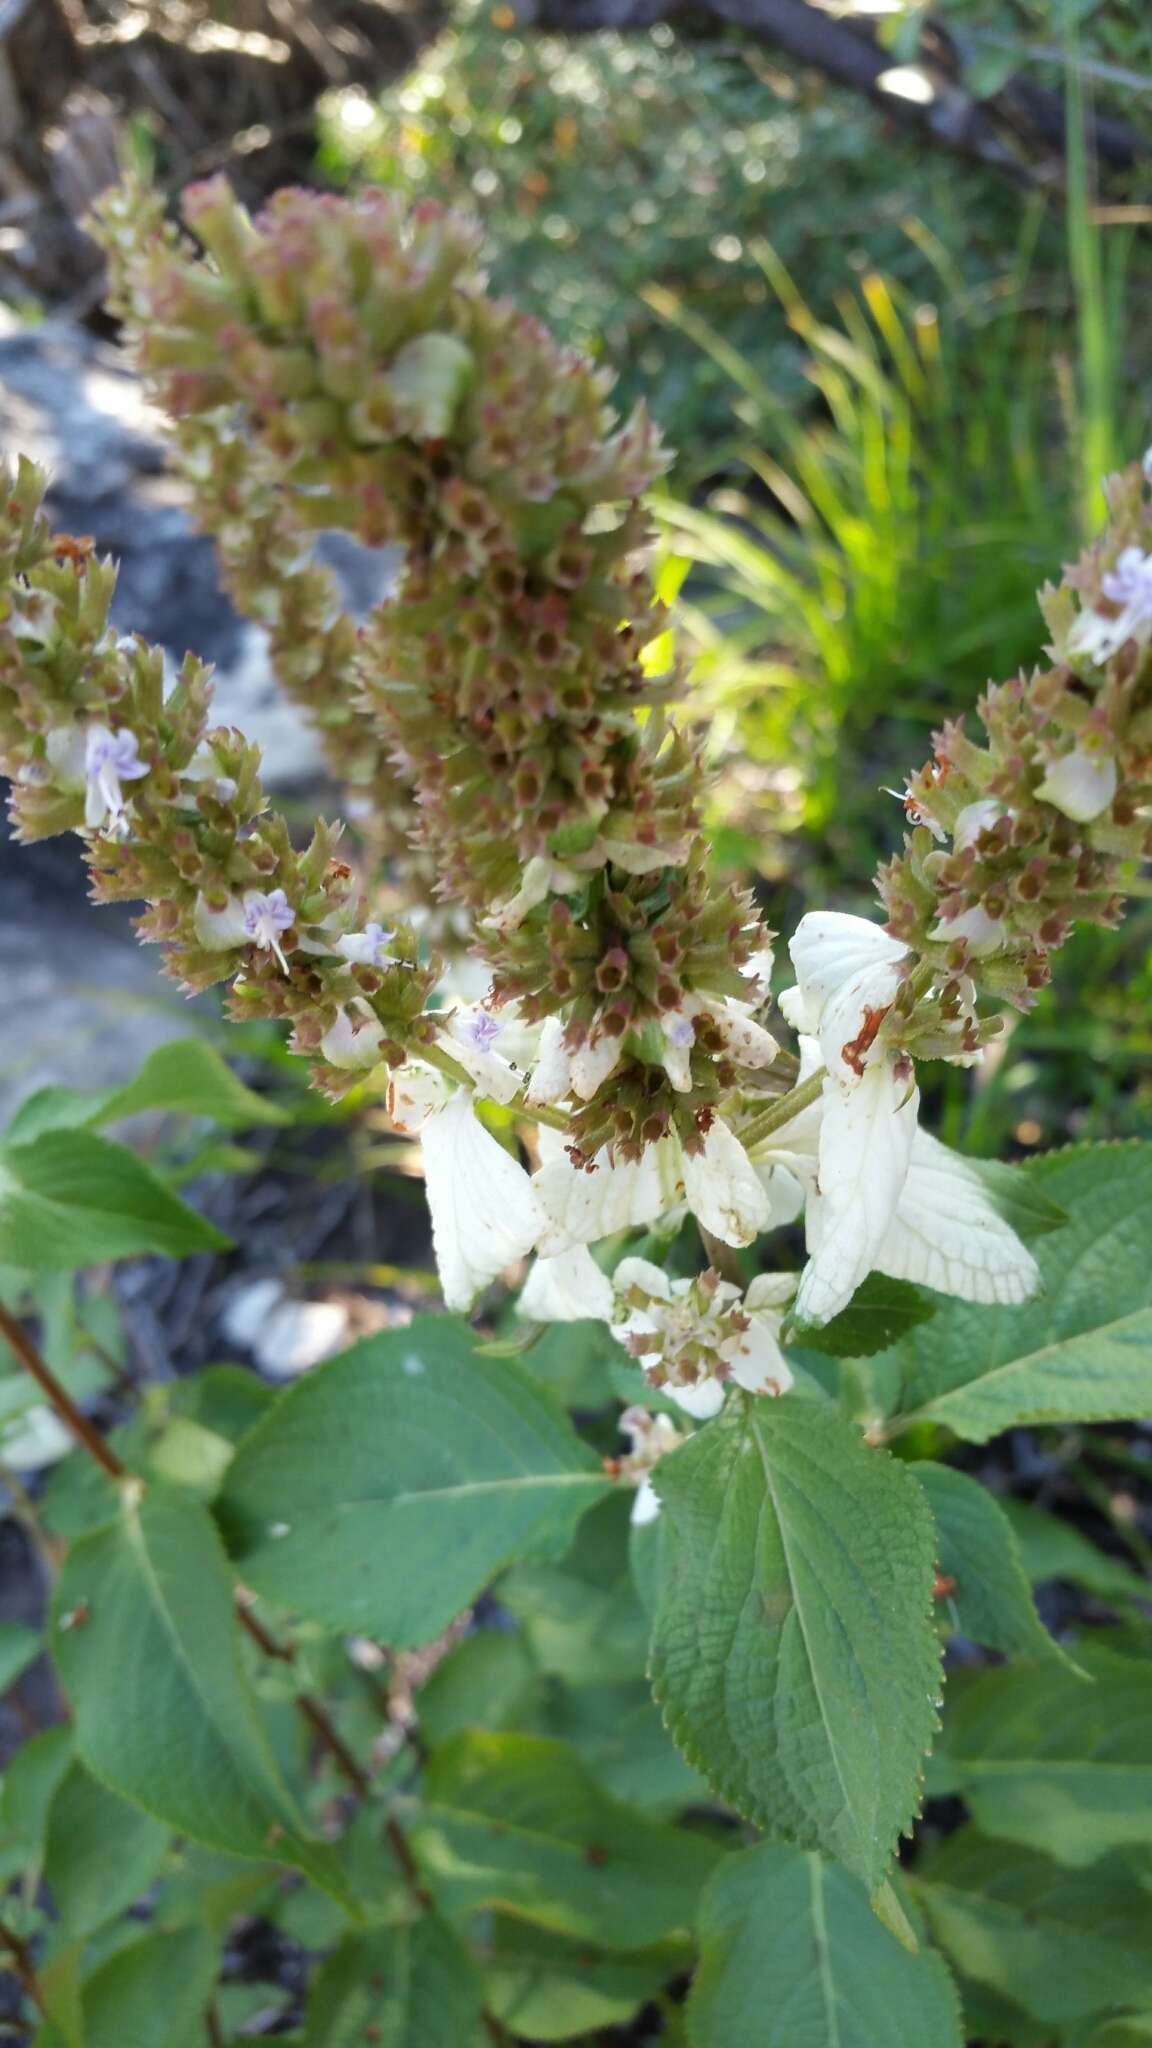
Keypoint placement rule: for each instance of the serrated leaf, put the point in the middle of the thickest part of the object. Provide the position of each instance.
(880, 1312)
(410, 1986)
(518, 1823)
(100, 1853)
(1062, 1766)
(70, 1199)
(990, 1600)
(145, 1636)
(185, 1078)
(1079, 1352)
(794, 1651)
(546, 1988)
(1060, 1943)
(385, 1489)
(792, 1956)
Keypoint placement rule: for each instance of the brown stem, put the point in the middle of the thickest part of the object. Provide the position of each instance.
(212, 2025)
(84, 1431)
(316, 1716)
(23, 1967)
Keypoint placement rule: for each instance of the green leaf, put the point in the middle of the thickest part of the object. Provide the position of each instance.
(385, 1489)
(583, 1618)
(407, 1987)
(794, 1651)
(517, 1822)
(880, 1312)
(186, 1078)
(1053, 1549)
(1079, 1352)
(1134, 2030)
(152, 1994)
(100, 1853)
(546, 1988)
(29, 1785)
(1020, 1197)
(620, 1734)
(489, 1680)
(990, 1600)
(71, 1199)
(19, 1647)
(145, 1635)
(1059, 1943)
(792, 1956)
(1044, 1759)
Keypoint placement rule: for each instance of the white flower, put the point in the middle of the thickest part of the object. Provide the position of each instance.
(679, 1038)
(694, 1336)
(368, 948)
(485, 1215)
(415, 1093)
(551, 1077)
(542, 878)
(266, 916)
(974, 819)
(866, 1135)
(848, 971)
(110, 758)
(1081, 783)
(651, 1437)
(981, 933)
(353, 1041)
(223, 929)
(569, 1288)
(883, 1196)
(719, 1184)
(1129, 585)
(947, 1234)
(593, 1061)
(471, 1035)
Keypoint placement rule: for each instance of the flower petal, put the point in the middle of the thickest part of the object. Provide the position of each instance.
(829, 948)
(569, 1288)
(581, 1205)
(724, 1190)
(484, 1212)
(702, 1401)
(1081, 784)
(947, 1234)
(865, 1145)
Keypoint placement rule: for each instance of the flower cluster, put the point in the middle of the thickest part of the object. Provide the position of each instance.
(339, 363)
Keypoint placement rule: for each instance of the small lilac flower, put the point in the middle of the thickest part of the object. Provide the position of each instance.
(480, 1031)
(680, 1031)
(265, 917)
(110, 758)
(1129, 585)
(368, 948)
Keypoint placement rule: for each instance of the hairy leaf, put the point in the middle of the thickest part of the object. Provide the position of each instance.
(794, 1651)
(517, 1822)
(145, 1635)
(1043, 1757)
(409, 1986)
(100, 1853)
(385, 1489)
(1058, 1942)
(792, 1956)
(71, 1199)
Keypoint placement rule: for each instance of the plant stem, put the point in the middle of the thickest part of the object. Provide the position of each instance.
(90, 1440)
(23, 1967)
(783, 1111)
(84, 1431)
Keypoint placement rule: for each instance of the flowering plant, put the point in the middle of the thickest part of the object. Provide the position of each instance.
(624, 1107)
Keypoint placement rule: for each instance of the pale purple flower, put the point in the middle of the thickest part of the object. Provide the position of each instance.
(679, 1030)
(110, 758)
(265, 917)
(1129, 585)
(480, 1031)
(1131, 580)
(368, 948)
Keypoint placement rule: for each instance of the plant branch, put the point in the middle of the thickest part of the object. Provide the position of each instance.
(23, 1966)
(783, 1110)
(84, 1431)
